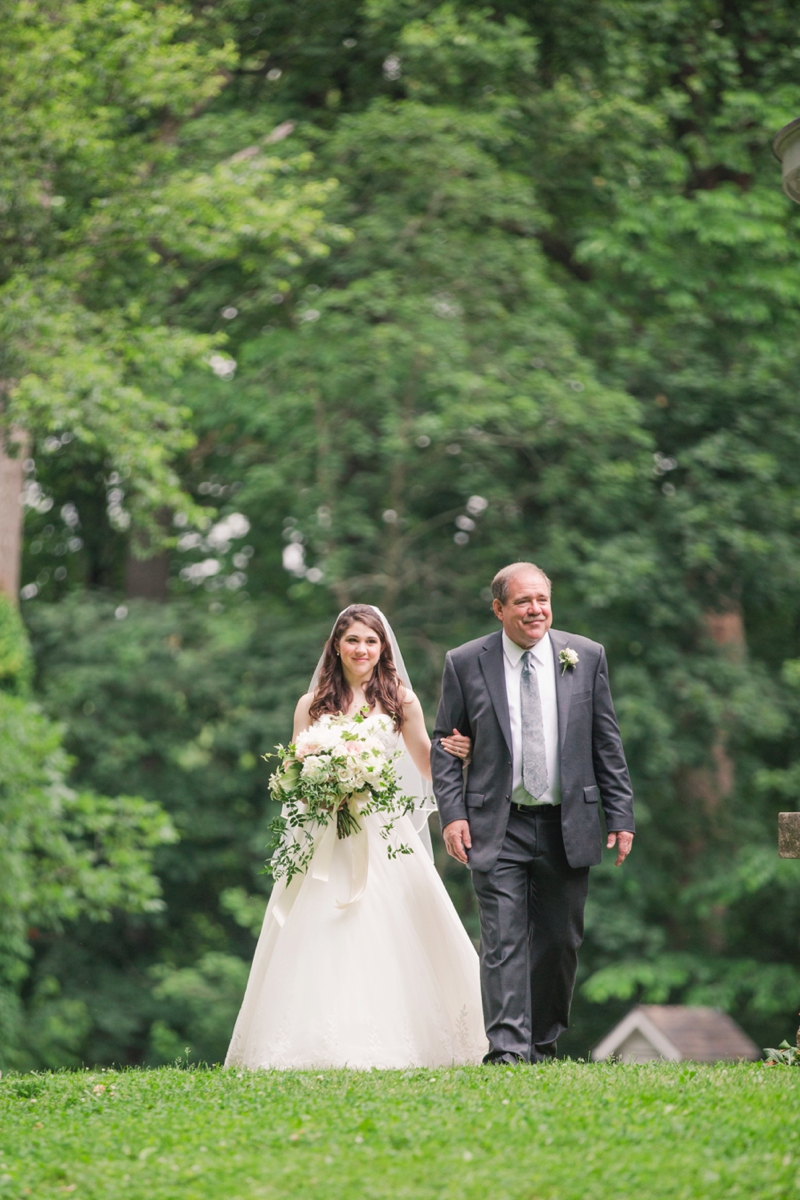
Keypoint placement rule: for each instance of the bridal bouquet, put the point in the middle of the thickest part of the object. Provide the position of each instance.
(341, 769)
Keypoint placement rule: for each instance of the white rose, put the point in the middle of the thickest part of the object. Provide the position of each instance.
(308, 742)
(313, 767)
(318, 738)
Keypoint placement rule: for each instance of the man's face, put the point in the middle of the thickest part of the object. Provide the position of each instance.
(526, 614)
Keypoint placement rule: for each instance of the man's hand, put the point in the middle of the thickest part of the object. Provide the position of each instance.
(457, 840)
(622, 840)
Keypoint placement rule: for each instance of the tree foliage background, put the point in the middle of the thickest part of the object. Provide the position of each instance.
(327, 301)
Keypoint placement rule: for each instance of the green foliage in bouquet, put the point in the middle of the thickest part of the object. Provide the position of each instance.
(340, 769)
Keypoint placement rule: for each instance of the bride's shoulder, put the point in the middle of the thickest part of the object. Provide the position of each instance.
(407, 696)
(302, 718)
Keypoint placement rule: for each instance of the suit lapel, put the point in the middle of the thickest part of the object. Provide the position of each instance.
(564, 680)
(491, 660)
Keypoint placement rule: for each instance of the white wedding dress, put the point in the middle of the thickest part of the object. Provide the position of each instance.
(362, 962)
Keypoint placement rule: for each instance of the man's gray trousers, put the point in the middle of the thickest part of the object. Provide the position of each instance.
(531, 910)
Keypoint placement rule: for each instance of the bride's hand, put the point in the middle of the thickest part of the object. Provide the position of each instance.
(457, 744)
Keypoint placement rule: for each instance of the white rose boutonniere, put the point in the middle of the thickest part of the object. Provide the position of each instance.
(568, 658)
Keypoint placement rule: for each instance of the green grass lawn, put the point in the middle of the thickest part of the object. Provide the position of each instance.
(558, 1132)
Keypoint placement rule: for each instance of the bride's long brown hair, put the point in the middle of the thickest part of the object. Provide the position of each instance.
(333, 693)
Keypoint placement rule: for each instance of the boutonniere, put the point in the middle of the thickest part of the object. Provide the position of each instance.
(568, 658)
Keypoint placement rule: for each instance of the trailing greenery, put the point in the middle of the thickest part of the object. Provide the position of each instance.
(563, 1132)
(484, 282)
(308, 784)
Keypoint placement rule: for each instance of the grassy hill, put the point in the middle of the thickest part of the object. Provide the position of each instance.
(568, 1131)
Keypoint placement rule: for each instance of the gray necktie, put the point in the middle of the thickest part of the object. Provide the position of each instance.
(534, 762)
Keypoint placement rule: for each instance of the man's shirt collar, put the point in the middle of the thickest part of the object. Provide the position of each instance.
(539, 649)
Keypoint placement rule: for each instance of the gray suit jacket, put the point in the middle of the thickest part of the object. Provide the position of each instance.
(593, 767)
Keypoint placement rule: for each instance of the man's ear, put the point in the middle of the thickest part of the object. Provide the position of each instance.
(497, 609)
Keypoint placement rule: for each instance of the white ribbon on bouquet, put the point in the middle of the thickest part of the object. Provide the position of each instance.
(320, 866)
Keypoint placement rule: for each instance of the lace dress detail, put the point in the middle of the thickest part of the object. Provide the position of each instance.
(389, 981)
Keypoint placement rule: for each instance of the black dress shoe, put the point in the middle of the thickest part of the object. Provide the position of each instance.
(503, 1059)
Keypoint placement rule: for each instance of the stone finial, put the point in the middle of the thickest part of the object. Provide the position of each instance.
(786, 147)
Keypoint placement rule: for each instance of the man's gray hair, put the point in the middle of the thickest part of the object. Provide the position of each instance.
(503, 578)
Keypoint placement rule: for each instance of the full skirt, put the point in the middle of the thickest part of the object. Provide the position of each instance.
(390, 980)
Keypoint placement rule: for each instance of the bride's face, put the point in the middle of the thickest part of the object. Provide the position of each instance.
(360, 649)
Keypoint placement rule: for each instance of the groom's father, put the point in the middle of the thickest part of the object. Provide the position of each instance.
(546, 754)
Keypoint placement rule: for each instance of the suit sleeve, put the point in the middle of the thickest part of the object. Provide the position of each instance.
(610, 767)
(446, 770)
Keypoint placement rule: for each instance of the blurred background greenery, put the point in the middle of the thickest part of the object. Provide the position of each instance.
(313, 302)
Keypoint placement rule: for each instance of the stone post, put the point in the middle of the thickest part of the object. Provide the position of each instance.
(11, 480)
(789, 846)
(786, 148)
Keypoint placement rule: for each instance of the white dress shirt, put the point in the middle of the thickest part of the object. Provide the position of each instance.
(544, 663)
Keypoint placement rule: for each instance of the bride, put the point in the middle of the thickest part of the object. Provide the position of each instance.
(362, 960)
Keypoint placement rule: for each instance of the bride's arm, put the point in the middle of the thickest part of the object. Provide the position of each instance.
(415, 735)
(301, 718)
(418, 743)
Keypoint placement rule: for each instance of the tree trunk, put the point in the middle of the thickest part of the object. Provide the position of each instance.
(726, 628)
(11, 479)
(712, 784)
(146, 578)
